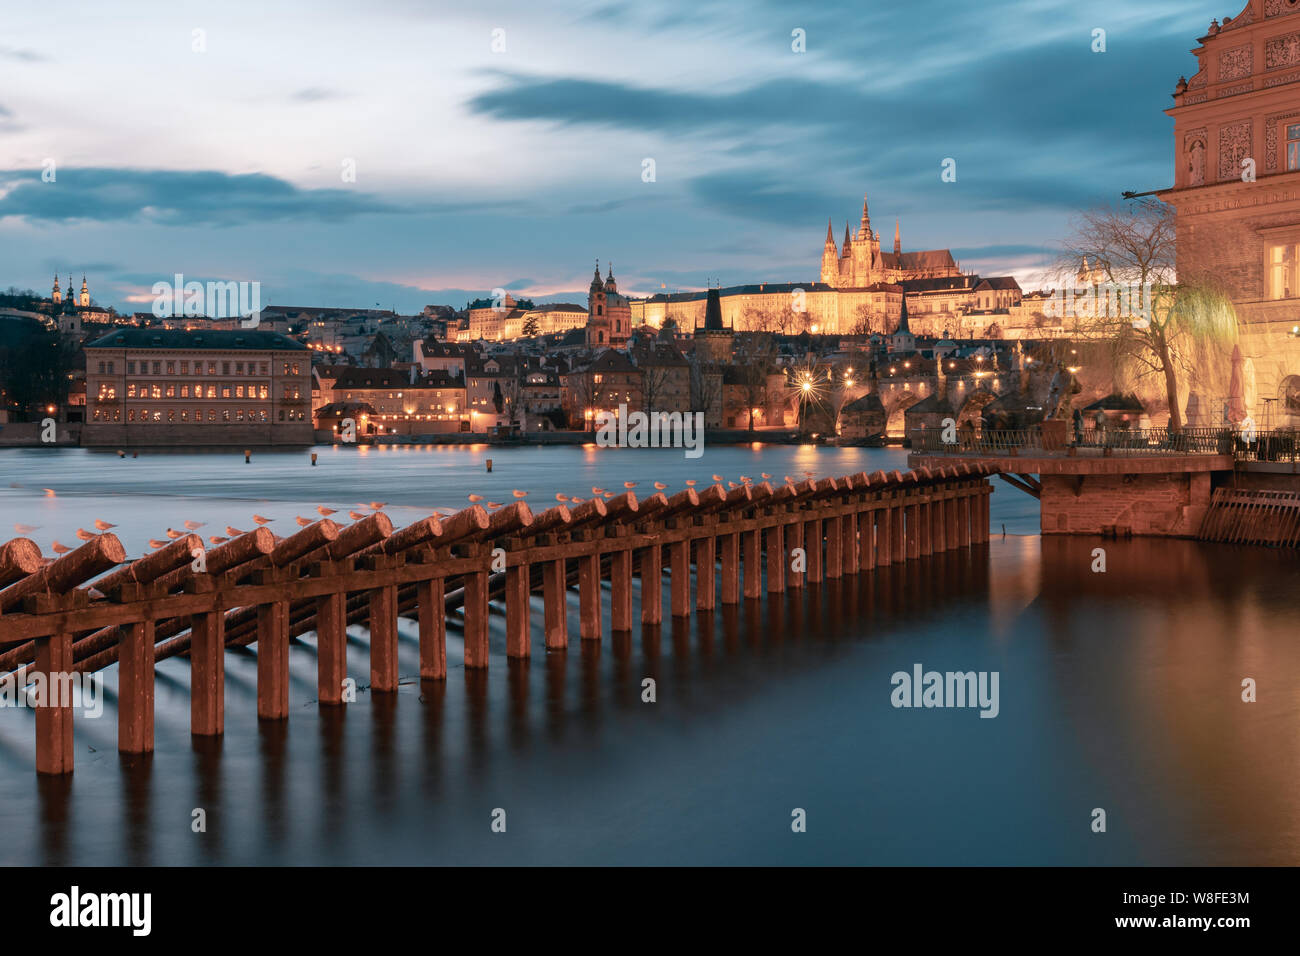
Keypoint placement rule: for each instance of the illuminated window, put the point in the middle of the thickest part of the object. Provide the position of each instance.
(1282, 266)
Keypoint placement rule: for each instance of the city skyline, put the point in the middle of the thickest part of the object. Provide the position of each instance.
(515, 169)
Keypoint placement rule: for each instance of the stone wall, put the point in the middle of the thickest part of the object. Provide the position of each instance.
(182, 436)
(1171, 504)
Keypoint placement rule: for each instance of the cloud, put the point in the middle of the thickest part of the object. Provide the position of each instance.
(174, 198)
(22, 56)
(316, 94)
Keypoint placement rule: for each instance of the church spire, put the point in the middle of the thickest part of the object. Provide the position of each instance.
(898, 238)
(830, 233)
(848, 237)
(864, 228)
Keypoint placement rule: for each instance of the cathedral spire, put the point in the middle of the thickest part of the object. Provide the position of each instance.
(864, 228)
(830, 233)
(898, 238)
(848, 237)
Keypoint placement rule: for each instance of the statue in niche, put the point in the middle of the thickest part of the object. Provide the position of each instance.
(1196, 164)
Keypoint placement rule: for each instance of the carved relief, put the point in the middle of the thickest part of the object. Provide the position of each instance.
(1234, 90)
(1276, 8)
(1234, 146)
(1270, 146)
(1235, 63)
(1282, 51)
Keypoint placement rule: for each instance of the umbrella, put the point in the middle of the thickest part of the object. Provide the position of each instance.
(1236, 389)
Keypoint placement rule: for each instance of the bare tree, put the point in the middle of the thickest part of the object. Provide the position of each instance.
(1130, 253)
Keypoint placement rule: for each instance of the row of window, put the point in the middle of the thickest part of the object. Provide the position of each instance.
(170, 365)
(163, 390)
(183, 416)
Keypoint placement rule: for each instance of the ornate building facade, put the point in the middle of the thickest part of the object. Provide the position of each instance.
(1237, 192)
(609, 314)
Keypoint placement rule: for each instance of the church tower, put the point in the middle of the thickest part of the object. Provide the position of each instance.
(597, 320)
(85, 293)
(830, 257)
(898, 238)
(57, 296)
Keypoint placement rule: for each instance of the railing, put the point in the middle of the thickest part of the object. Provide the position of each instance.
(1275, 446)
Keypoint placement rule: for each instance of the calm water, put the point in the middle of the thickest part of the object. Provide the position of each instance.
(1118, 690)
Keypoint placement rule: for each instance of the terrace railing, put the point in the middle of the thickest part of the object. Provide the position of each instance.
(1273, 446)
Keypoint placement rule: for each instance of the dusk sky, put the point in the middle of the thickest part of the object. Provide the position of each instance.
(477, 169)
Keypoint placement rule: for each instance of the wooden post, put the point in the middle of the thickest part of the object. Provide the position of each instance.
(913, 528)
(867, 540)
(986, 491)
(430, 596)
(897, 531)
(620, 599)
(518, 612)
(589, 625)
(963, 517)
(476, 619)
(749, 543)
(731, 568)
(208, 673)
(553, 596)
(849, 543)
(273, 660)
(706, 570)
(53, 707)
(135, 688)
(794, 540)
(652, 584)
(679, 569)
(924, 524)
(383, 639)
(775, 559)
(834, 547)
(885, 533)
(950, 520)
(937, 526)
(812, 540)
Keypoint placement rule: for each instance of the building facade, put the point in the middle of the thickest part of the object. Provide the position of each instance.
(1237, 193)
(166, 387)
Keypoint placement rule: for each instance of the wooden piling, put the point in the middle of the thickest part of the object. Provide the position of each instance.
(652, 585)
(383, 639)
(776, 559)
(679, 570)
(54, 748)
(706, 560)
(554, 589)
(273, 661)
(751, 546)
(135, 689)
(207, 674)
(433, 628)
(731, 568)
(589, 616)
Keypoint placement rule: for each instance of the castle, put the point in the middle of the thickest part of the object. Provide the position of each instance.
(860, 289)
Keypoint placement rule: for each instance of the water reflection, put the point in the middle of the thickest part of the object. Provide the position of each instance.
(1120, 689)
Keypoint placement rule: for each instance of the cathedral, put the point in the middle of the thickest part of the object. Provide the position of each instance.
(860, 264)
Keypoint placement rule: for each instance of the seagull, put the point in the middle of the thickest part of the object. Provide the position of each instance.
(519, 494)
(216, 540)
(60, 548)
(325, 512)
(494, 504)
(597, 491)
(475, 498)
(153, 543)
(732, 484)
(175, 534)
(233, 531)
(717, 478)
(575, 500)
(260, 520)
(660, 486)
(85, 535)
(355, 515)
(690, 482)
(745, 480)
(302, 522)
(194, 525)
(25, 528)
(560, 497)
(629, 484)
(103, 525)
(49, 492)
(765, 475)
(378, 505)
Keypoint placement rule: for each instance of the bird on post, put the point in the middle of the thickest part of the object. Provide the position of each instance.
(325, 512)
(260, 520)
(475, 499)
(233, 531)
(194, 525)
(519, 494)
(60, 548)
(103, 525)
(85, 535)
(302, 522)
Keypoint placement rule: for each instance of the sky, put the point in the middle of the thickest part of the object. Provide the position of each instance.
(396, 153)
